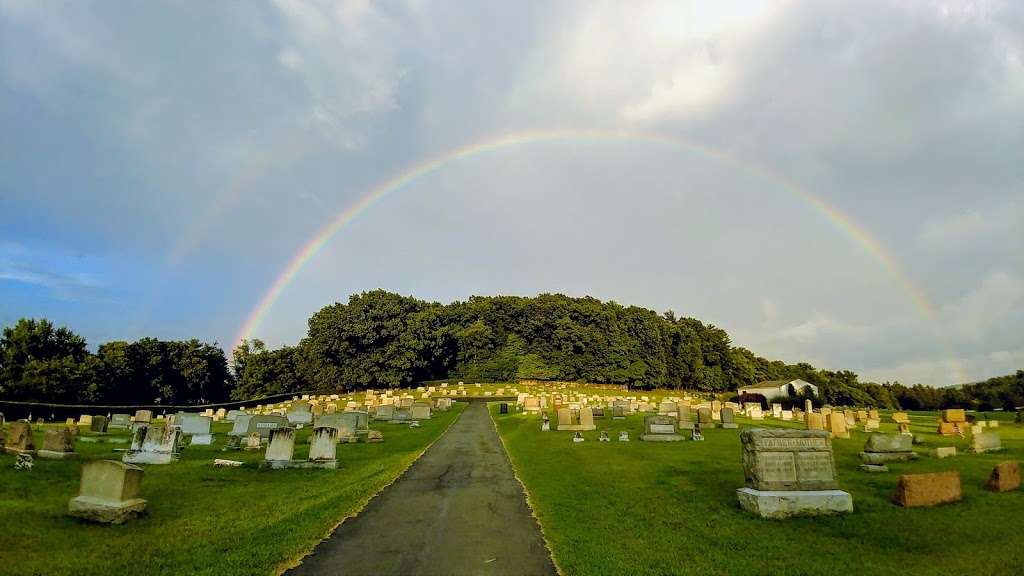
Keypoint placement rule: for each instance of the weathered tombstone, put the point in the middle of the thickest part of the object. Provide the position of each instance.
(851, 418)
(660, 429)
(787, 415)
(577, 437)
(808, 406)
(196, 426)
(545, 424)
(300, 413)
(790, 473)
(885, 448)
(685, 420)
(280, 449)
(986, 442)
(98, 424)
(900, 417)
(837, 425)
(904, 429)
(20, 439)
(385, 412)
(587, 419)
(954, 415)
(58, 444)
(85, 420)
(944, 452)
(564, 419)
(252, 441)
(755, 413)
(814, 421)
(348, 424)
(421, 410)
(323, 448)
(623, 436)
(1005, 477)
(120, 421)
(915, 490)
(947, 428)
(704, 418)
(603, 437)
(532, 405)
(728, 418)
(109, 493)
(152, 444)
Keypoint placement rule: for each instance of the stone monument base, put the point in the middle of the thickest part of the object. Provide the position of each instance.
(661, 437)
(54, 455)
(16, 451)
(787, 503)
(144, 457)
(886, 457)
(324, 464)
(202, 439)
(730, 425)
(106, 512)
(279, 464)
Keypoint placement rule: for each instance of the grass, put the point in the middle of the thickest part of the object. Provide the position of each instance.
(670, 508)
(201, 519)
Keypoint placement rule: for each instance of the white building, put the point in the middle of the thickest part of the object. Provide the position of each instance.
(772, 389)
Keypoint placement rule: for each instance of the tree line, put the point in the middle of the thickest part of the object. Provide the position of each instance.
(379, 339)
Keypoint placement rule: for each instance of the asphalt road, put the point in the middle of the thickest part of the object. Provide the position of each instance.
(458, 510)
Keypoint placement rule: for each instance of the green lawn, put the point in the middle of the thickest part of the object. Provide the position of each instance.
(201, 519)
(670, 508)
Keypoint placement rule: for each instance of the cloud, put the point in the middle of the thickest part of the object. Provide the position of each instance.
(58, 272)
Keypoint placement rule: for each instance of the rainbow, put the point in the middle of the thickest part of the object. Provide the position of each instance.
(423, 169)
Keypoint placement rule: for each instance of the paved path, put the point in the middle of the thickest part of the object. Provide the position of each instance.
(457, 510)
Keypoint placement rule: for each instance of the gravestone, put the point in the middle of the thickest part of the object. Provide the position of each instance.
(685, 419)
(323, 448)
(120, 421)
(503, 408)
(728, 418)
(421, 411)
(787, 415)
(986, 442)
(300, 413)
(914, 490)
(85, 420)
(814, 421)
(545, 424)
(20, 439)
(704, 418)
(385, 412)
(603, 437)
(263, 424)
(564, 419)
(98, 424)
(900, 417)
(808, 406)
(790, 473)
(152, 444)
(885, 448)
(280, 449)
(587, 419)
(755, 413)
(348, 424)
(109, 493)
(660, 429)
(851, 418)
(837, 425)
(24, 461)
(239, 427)
(623, 436)
(252, 441)
(58, 444)
(1005, 477)
(577, 437)
(944, 452)
(196, 426)
(947, 428)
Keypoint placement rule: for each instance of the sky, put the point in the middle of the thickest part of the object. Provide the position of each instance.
(832, 182)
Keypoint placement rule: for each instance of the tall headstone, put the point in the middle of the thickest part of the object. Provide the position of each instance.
(790, 473)
(109, 493)
(280, 449)
(986, 442)
(837, 425)
(323, 447)
(728, 418)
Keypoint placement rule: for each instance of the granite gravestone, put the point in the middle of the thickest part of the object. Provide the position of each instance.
(790, 473)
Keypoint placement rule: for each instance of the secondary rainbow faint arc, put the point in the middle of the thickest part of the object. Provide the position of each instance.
(311, 248)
